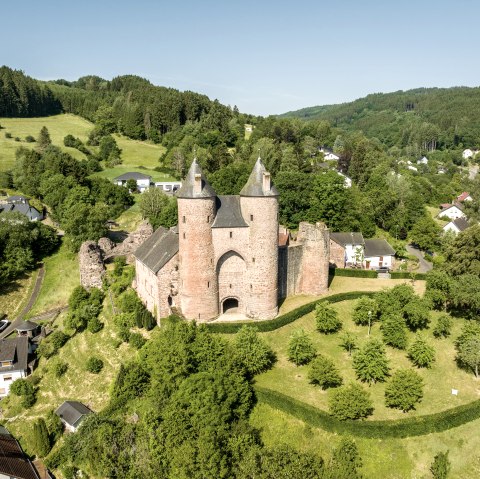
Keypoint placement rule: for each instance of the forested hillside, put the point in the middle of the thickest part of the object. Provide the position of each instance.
(434, 117)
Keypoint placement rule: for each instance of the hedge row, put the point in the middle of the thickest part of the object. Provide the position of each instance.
(354, 273)
(405, 275)
(412, 426)
(287, 318)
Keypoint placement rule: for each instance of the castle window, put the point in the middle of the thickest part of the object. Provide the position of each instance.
(251, 217)
(230, 286)
(184, 236)
(208, 284)
(208, 219)
(231, 234)
(253, 260)
(184, 219)
(251, 287)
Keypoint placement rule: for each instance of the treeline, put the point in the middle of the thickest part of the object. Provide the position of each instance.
(427, 118)
(22, 96)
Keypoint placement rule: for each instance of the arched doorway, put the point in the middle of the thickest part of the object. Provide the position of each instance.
(230, 305)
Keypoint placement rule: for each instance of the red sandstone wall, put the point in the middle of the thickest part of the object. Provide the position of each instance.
(337, 255)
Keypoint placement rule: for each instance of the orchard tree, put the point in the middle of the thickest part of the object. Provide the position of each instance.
(351, 401)
(345, 462)
(421, 353)
(371, 363)
(404, 390)
(417, 314)
(365, 312)
(469, 354)
(348, 342)
(443, 327)
(300, 348)
(252, 351)
(439, 286)
(324, 373)
(394, 331)
(326, 318)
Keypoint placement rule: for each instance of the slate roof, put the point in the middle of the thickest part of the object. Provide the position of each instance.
(254, 185)
(157, 250)
(72, 411)
(16, 350)
(461, 224)
(27, 326)
(347, 238)
(13, 461)
(15, 198)
(377, 247)
(133, 175)
(188, 186)
(24, 208)
(229, 213)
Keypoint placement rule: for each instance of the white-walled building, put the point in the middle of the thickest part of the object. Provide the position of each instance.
(423, 160)
(465, 196)
(13, 362)
(168, 186)
(378, 254)
(456, 226)
(143, 181)
(72, 413)
(451, 211)
(329, 155)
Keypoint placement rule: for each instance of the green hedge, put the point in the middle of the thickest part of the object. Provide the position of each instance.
(287, 318)
(405, 275)
(412, 426)
(354, 273)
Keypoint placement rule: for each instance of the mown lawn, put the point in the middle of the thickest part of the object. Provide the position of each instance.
(15, 294)
(61, 277)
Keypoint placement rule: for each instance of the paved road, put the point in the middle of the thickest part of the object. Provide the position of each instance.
(423, 266)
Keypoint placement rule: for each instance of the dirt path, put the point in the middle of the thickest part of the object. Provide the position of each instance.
(424, 266)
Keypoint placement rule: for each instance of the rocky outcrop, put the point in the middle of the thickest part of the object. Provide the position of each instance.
(91, 265)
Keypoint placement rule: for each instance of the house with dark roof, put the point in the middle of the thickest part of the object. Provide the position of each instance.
(143, 181)
(13, 362)
(451, 211)
(225, 255)
(20, 204)
(14, 463)
(456, 226)
(378, 254)
(72, 413)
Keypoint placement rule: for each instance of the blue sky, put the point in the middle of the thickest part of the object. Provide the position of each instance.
(266, 57)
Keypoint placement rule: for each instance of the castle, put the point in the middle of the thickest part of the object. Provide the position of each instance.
(224, 255)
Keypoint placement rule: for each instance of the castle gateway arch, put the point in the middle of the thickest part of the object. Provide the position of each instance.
(231, 274)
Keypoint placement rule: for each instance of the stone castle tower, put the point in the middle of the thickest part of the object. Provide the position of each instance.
(224, 254)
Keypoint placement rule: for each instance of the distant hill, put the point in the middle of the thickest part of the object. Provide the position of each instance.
(450, 116)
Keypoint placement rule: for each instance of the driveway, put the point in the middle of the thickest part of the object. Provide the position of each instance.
(423, 266)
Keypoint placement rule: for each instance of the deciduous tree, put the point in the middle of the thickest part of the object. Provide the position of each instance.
(421, 353)
(326, 318)
(300, 348)
(351, 401)
(324, 373)
(404, 390)
(371, 363)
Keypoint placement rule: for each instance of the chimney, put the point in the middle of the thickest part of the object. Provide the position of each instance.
(197, 186)
(266, 182)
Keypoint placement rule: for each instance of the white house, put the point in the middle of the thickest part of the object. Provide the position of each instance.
(168, 186)
(411, 167)
(468, 153)
(451, 211)
(329, 155)
(346, 249)
(465, 196)
(13, 362)
(143, 181)
(378, 254)
(423, 160)
(72, 413)
(456, 226)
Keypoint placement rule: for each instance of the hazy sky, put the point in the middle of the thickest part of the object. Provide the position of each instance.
(266, 57)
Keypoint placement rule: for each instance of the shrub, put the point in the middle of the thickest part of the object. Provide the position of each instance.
(326, 318)
(21, 387)
(17, 138)
(443, 327)
(300, 348)
(94, 325)
(41, 439)
(8, 135)
(324, 373)
(350, 402)
(420, 353)
(252, 351)
(94, 365)
(136, 340)
(404, 390)
(59, 369)
(30, 139)
(348, 342)
(119, 264)
(440, 467)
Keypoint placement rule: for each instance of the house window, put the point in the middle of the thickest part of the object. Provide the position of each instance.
(184, 219)
(251, 217)
(381, 258)
(230, 286)
(251, 287)
(5, 364)
(2, 391)
(7, 378)
(231, 234)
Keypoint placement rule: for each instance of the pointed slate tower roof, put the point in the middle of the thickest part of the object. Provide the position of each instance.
(259, 182)
(195, 184)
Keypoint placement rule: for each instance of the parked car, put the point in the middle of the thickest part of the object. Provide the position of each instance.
(3, 324)
(383, 269)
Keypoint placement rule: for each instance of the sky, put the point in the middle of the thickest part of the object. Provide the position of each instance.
(266, 57)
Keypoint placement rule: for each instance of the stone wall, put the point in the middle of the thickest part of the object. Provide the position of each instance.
(337, 255)
(91, 265)
(289, 270)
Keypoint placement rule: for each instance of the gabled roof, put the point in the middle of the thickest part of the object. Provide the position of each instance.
(157, 250)
(13, 461)
(377, 247)
(347, 238)
(15, 350)
(188, 186)
(463, 196)
(27, 326)
(229, 213)
(72, 411)
(254, 184)
(132, 175)
(15, 198)
(461, 224)
(24, 208)
(446, 207)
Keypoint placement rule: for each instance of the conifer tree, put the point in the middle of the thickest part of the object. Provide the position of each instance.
(326, 318)
(300, 348)
(41, 440)
(421, 353)
(394, 331)
(404, 390)
(371, 363)
(43, 140)
(324, 373)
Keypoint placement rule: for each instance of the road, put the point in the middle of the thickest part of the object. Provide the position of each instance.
(472, 171)
(423, 266)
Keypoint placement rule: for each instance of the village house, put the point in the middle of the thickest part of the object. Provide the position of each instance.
(72, 413)
(423, 161)
(329, 155)
(451, 211)
(143, 181)
(13, 362)
(456, 226)
(465, 196)
(20, 204)
(378, 254)
(469, 153)
(226, 254)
